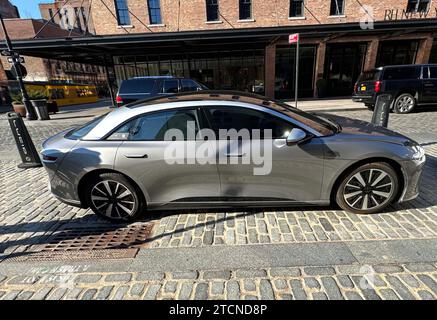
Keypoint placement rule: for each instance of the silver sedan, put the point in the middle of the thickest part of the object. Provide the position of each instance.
(228, 150)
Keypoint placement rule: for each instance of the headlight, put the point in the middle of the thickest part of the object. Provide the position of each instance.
(419, 152)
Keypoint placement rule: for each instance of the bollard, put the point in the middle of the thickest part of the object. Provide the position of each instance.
(382, 110)
(26, 148)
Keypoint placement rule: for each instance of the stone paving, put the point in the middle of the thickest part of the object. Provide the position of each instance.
(351, 282)
(29, 213)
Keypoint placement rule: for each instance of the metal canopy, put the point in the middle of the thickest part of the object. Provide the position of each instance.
(93, 49)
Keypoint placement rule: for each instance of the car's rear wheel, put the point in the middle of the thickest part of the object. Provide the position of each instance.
(114, 197)
(405, 103)
(368, 189)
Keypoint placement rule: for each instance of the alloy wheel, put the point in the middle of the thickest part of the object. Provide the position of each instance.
(113, 199)
(368, 189)
(405, 104)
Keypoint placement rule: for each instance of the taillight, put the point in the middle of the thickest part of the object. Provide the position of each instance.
(118, 99)
(378, 86)
(356, 87)
(49, 158)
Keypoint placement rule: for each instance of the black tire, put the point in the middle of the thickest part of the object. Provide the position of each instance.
(371, 107)
(125, 203)
(404, 104)
(379, 194)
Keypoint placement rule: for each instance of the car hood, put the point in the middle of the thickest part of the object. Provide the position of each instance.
(360, 129)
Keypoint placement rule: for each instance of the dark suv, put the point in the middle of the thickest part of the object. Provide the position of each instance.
(148, 87)
(410, 85)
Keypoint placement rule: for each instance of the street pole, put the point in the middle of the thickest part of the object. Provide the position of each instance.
(297, 72)
(30, 112)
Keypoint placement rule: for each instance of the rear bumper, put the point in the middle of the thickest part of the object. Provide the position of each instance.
(62, 188)
(364, 99)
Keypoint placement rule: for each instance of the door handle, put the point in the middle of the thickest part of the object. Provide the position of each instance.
(235, 155)
(137, 156)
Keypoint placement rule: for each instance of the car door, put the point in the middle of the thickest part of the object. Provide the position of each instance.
(276, 171)
(164, 166)
(429, 89)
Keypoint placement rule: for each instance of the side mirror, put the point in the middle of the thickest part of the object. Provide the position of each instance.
(297, 135)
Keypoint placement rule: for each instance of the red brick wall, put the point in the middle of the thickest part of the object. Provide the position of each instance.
(191, 14)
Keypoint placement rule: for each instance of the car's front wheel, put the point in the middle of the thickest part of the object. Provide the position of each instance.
(405, 103)
(114, 197)
(368, 189)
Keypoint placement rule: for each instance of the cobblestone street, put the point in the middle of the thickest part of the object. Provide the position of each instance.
(30, 215)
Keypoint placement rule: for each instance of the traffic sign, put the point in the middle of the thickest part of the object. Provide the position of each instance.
(293, 38)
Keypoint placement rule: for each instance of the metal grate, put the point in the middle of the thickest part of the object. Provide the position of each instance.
(85, 238)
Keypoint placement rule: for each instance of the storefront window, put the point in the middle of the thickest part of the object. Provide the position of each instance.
(285, 71)
(231, 70)
(397, 52)
(343, 65)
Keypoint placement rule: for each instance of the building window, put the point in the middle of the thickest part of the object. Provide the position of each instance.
(122, 12)
(77, 18)
(245, 9)
(337, 7)
(85, 23)
(154, 11)
(51, 14)
(212, 10)
(297, 8)
(67, 20)
(418, 5)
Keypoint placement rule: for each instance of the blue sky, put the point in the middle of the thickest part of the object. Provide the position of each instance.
(28, 8)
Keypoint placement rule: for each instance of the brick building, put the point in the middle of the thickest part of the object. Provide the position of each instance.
(72, 14)
(242, 44)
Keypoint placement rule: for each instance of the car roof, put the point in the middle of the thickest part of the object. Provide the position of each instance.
(205, 95)
(197, 99)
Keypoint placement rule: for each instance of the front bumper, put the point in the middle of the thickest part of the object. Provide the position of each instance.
(412, 172)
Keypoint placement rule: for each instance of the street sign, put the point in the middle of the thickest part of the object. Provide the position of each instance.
(20, 60)
(6, 53)
(293, 38)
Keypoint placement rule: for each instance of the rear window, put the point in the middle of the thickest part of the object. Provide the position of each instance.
(137, 86)
(370, 75)
(403, 73)
(83, 130)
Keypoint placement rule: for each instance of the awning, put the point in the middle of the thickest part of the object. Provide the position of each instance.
(92, 49)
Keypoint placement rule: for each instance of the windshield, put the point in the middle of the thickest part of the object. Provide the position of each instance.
(320, 124)
(83, 130)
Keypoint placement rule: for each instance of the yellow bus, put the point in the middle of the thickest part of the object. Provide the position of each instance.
(66, 93)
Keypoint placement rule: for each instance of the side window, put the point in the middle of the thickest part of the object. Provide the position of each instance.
(242, 118)
(404, 73)
(189, 85)
(153, 127)
(433, 72)
(170, 86)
